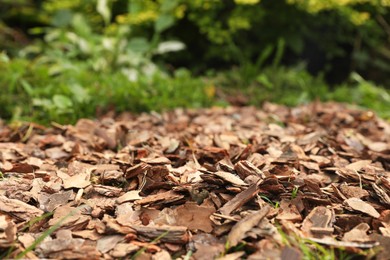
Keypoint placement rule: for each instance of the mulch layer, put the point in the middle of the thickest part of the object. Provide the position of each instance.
(229, 183)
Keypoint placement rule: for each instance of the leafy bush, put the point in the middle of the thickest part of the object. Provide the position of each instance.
(363, 93)
(334, 37)
(353, 33)
(86, 61)
(93, 41)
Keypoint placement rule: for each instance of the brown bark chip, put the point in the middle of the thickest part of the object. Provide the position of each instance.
(233, 183)
(238, 231)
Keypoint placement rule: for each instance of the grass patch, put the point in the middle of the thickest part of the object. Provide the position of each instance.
(294, 192)
(30, 91)
(292, 86)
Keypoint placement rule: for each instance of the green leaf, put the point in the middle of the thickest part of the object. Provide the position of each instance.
(80, 94)
(170, 46)
(139, 45)
(62, 102)
(135, 7)
(27, 87)
(168, 5)
(42, 102)
(264, 80)
(280, 47)
(62, 18)
(4, 57)
(80, 25)
(103, 9)
(296, 43)
(164, 22)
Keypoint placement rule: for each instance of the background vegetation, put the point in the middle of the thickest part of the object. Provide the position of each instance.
(62, 60)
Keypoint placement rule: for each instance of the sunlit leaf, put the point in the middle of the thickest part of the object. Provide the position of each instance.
(168, 5)
(80, 25)
(62, 102)
(80, 94)
(42, 102)
(163, 22)
(103, 9)
(139, 44)
(62, 18)
(170, 46)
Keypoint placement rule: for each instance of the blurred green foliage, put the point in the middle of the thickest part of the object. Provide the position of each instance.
(33, 93)
(67, 59)
(231, 32)
(294, 85)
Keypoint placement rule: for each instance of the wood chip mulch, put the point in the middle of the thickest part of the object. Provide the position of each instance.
(226, 183)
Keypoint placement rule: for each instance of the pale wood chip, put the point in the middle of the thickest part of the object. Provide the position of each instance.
(163, 198)
(245, 168)
(361, 206)
(357, 234)
(382, 195)
(358, 165)
(288, 211)
(129, 196)
(107, 243)
(352, 191)
(79, 180)
(158, 160)
(18, 209)
(231, 178)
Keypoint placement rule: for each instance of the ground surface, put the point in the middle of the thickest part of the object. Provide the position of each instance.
(232, 183)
